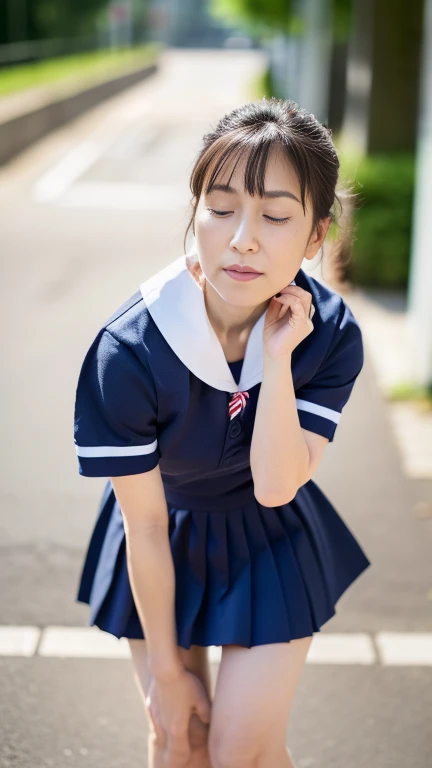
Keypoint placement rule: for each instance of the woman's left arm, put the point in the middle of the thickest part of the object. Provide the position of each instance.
(283, 455)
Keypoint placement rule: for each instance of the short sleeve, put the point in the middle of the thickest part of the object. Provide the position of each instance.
(321, 400)
(115, 411)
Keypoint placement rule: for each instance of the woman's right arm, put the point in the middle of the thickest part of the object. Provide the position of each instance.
(150, 566)
(174, 692)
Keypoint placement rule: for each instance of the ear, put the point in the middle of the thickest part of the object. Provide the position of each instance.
(317, 238)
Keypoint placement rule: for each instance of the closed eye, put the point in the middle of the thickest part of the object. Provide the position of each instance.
(269, 218)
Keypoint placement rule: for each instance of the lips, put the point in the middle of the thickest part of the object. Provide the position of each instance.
(242, 276)
(245, 268)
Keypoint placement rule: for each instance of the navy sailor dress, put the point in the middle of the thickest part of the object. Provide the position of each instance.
(155, 388)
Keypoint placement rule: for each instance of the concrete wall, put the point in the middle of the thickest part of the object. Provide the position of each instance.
(20, 132)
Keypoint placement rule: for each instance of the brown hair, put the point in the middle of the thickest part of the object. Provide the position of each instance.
(253, 129)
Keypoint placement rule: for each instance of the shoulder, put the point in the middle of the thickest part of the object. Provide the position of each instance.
(130, 330)
(130, 322)
(135, 322)
(332, 309)
(336, 333)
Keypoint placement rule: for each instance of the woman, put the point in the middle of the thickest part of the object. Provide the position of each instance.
(208, 399)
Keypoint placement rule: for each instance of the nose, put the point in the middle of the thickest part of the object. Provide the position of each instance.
(243, 239)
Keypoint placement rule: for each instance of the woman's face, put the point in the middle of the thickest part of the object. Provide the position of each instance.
(271, 233)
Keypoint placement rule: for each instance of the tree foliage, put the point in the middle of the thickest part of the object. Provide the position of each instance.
(66, 18)
(41, 19)
(259, 17)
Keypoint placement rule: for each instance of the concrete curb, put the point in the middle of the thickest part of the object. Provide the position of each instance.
(20, 132)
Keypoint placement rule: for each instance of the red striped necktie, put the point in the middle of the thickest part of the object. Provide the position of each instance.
(237, 403)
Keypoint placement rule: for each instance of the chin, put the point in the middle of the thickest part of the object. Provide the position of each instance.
(239, 297)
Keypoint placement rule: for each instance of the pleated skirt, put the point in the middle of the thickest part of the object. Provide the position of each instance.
(248, 575)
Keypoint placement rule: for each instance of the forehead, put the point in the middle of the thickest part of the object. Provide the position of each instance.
(277, 172)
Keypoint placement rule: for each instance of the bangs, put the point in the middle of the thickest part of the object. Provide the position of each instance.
(248, 134)
(255, 150)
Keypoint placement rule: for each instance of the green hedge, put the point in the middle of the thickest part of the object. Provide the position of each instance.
(382, 218)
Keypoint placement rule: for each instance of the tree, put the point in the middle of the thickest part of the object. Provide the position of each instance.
(66, 18)
(260, 18)
(264, 18)
(40, 19)
(383, 75)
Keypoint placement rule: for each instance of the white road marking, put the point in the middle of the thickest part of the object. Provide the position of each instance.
(82, 642)
(338, 648)
(405, 648)
(60, 184)
(19, 641)
(350, 648)
(54, 183)
(133, 140)
(124, 196)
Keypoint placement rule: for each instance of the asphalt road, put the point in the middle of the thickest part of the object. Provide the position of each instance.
(86, 216)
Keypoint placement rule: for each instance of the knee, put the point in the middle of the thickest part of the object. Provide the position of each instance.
(232, 751)
(198, 735)
(198, 732)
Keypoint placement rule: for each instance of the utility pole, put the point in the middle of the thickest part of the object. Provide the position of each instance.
(420, 279)
(314, 71)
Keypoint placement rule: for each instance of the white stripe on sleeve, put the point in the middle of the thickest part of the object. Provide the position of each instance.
(319, 410)
(103, 451)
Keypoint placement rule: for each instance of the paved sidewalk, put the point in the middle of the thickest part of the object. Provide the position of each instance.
(384, 321)
(71, 263)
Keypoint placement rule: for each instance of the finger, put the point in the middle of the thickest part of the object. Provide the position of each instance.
(295, 303)
(178, 749)
(198, 732)
(204, 710)
(275, 313)
(159, 731)
(299, 313)
(155, 723)
(295, 290)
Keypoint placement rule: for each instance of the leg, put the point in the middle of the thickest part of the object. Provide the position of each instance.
(253, 697)
(196, 661)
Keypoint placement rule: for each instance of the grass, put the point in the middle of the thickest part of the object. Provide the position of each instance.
(261, 85)
(406, 391)
(94, 66)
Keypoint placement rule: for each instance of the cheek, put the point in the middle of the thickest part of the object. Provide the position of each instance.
(208, 228)
(285, 238)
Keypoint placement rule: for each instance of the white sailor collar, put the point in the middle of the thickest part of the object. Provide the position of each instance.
(176, 304)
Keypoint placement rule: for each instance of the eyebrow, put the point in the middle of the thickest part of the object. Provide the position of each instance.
(268, 193)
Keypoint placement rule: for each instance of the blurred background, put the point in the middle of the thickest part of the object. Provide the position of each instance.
(103, 106)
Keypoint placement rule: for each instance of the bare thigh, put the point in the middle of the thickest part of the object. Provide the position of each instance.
(194, 659)
(254, 693)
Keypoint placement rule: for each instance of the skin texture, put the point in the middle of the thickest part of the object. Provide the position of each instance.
(195, 661)
(255, 687)
(235, 228)
(245, 236)
(254, 692)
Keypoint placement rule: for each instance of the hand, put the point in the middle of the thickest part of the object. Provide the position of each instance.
(287, 321)
(170, 705)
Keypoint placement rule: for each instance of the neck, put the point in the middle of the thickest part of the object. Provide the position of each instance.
(229, 322)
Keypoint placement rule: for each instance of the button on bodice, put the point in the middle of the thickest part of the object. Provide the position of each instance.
(235, 429)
